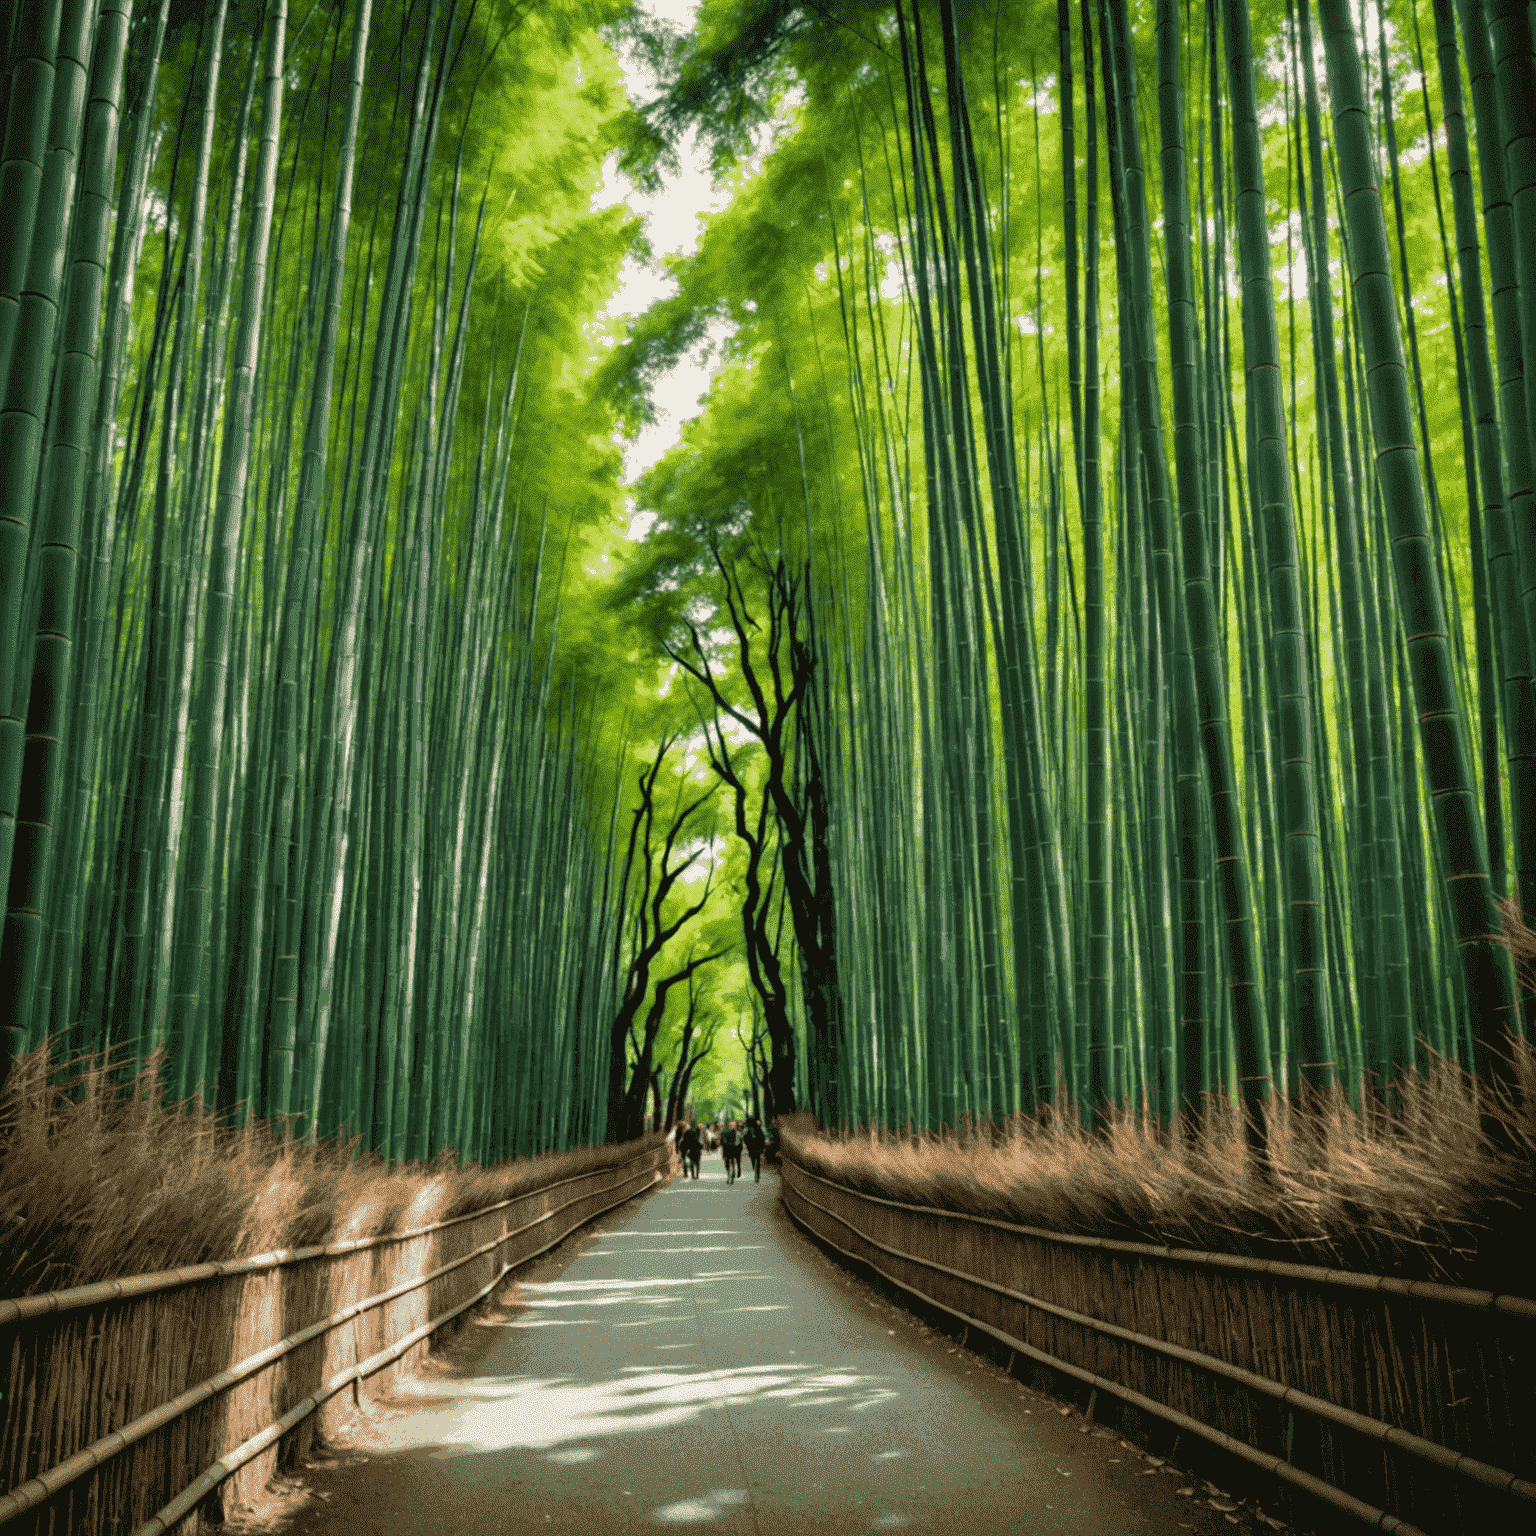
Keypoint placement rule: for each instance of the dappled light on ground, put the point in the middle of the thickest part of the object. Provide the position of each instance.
(703, 1508)
(652, 1382)
(492, 1413)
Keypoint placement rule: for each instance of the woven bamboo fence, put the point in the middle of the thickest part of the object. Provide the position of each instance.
(144, 1404)
(1406, 1405)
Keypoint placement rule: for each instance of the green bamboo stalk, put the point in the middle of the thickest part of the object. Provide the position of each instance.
(1514, 59)
(334, 777)
(1519, 711)
(1458, 825)
(26, 809)
(30, 81)
(1095, 704)
(1193, 837)
(1504, 301)
(1487, 689)
(190, 996)
(311, 485)
(1209, 690)
(1306, 936)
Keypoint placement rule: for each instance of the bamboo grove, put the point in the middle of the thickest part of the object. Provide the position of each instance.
(1120, 479)
(291, 793)
(1173, 513)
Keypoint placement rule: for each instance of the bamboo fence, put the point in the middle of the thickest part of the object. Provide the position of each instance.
(1392, 1401)
(142, 1404)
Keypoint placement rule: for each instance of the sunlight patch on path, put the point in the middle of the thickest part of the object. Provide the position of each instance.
(494, 1413)
(705, 1507)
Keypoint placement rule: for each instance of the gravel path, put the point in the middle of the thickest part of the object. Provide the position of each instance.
(697, 1361)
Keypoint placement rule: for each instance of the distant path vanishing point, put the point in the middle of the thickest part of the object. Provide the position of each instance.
(704, 1364)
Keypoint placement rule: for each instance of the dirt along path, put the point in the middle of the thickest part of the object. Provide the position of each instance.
(697, 1361)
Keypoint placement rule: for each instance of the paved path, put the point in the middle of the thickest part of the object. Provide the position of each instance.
(702, 1363)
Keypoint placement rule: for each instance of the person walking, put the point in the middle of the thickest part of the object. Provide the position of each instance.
(691, 1145)
(730, 1149)
(754, 1140)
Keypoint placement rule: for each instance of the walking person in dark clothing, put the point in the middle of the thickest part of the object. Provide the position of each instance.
(691, 1145)
(730, 1150)
(754, 1140)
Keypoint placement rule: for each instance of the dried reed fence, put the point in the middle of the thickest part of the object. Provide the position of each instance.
(1406, 1404)
(139, 1404)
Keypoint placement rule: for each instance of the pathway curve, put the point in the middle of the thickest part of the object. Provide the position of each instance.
(701, 1363)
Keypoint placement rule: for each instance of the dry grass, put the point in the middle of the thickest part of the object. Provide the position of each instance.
(1422, 1192)
(100, 1179)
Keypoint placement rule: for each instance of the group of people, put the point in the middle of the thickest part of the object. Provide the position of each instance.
(734, 1139)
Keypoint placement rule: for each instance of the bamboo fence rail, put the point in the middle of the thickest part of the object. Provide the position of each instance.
(134, 1404)
(1367, 1393)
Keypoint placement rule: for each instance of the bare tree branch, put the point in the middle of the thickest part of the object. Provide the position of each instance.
(650, 932)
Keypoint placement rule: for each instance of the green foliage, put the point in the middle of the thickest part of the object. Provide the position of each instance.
(334, 840)
(814, 269)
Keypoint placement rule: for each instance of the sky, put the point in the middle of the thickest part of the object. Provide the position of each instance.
(671, 224)
(672, 227)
